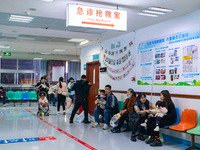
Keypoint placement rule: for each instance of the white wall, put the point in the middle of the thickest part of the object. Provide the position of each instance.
(180, 24)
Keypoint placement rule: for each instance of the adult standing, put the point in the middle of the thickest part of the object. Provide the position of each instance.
(3, 96)
(110, 108)
(167, 120)
(81, 88)
(128, 105)
(42, 86)
(62, 92)
(71, 93)
(138, 115)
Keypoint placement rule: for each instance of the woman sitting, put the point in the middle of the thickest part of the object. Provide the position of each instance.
(138, 115)
(128, 105)
(167, 120)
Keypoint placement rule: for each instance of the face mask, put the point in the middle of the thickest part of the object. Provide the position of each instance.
(129, 96)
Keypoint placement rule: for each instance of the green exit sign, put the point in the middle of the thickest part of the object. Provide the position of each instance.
(7, 54)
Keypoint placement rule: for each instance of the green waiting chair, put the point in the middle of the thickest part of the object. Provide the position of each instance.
(193, 132)
(120, 105)
(10, 95)
(17, 96)
(32, 96)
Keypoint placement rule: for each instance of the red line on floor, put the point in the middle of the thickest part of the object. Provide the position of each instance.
(69, 135)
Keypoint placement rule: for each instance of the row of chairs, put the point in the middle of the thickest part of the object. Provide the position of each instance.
(20, 96)
(187, 123)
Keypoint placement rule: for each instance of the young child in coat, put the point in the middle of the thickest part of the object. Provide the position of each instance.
(159, 112)
(43, 103)
(100, 100)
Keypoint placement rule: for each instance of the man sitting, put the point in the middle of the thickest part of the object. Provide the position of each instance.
(3, 96)
(111, 107)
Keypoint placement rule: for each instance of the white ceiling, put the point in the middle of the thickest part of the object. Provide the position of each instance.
(48, 31)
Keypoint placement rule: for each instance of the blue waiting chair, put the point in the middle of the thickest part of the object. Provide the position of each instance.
(177, 119)
(25, 96)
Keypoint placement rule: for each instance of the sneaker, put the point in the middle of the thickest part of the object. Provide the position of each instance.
(141, 137)
(100, 116)
(105, 126)
(156, 143)
(149, 141)
(133, 138)
(144, 125)
(157, 128)
(71, 121)
(58, 113)
(63, 112)
(86, 121)
(95, 125)
(4, 105)
(115, 130)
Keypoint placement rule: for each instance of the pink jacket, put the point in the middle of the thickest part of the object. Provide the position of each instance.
(63, 89)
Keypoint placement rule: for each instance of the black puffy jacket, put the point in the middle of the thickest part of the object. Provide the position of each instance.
(81, 89)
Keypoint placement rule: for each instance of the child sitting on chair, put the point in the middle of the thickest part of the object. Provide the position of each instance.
(43, 103)
(100, 100)
(160, 112)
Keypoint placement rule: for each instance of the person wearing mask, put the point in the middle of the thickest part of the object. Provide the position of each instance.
(168, 119)
(138, 116)
(128, 105)
(111, 107)
(70, 92)
(3, 96)
(62, 92)
(81, 88)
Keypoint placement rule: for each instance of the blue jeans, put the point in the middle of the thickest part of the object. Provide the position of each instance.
(72, 97)
(106, 114)
(52, 96)
(4, 99)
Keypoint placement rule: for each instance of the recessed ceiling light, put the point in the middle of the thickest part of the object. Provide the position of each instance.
(153, 12)
(59, 50)
(46, 53)
(47, 0)
(161, 9)
(5, 46)
(17, 18)
(75, 60)
(84, 42)
(76, 40)
(149, 15)
(37, 58)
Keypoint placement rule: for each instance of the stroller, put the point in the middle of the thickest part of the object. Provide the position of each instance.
(40, 111)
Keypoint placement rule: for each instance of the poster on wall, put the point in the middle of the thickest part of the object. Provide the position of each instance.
(170, 60)
(57, 72)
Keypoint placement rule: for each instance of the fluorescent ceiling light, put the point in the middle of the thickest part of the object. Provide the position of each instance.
(37, 58)
(46, 53)
(153, 12)
(16, 18)
(76, 40)
(0, 56)
(75, 60)
(4, 46)
(84, 42)
(59, 50)
(47, 0)
(149, 15)
(161, 9)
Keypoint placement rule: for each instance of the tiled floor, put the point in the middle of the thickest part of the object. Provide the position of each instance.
(22, 124)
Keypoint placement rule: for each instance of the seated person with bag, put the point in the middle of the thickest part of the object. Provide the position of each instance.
(3, 96)
(128, 105)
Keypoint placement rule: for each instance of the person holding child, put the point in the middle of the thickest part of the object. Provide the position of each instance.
(166, 120)
(100, 100)
(128, 105)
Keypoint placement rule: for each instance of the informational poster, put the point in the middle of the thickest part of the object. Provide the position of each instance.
(170, 60)
(57, 72)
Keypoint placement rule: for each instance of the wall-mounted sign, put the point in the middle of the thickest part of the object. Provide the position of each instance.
(103, 69)
(94, 17)
(95, 57)
(7, 54)
(84, 67)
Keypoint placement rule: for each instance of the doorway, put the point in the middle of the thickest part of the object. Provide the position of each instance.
(92, 73)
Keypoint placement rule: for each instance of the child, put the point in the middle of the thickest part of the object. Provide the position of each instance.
(43, 103)
(100, 100)
(160, 111)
